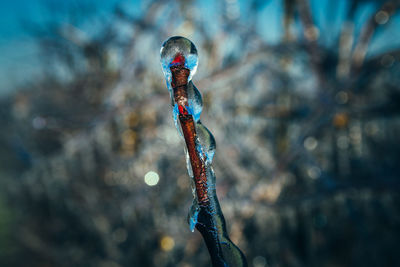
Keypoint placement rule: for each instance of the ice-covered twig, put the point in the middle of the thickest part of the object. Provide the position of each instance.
(179, 63)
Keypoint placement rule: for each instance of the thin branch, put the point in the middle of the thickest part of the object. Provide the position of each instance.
(382, 16)
(311, 34)
(206, 214)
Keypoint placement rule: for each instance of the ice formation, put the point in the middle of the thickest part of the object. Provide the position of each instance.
(179, 62)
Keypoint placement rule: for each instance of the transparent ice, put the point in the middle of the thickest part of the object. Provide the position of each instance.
(174, 51)
(178, 45)
(206, 142)
(195, 101)
(170, 49)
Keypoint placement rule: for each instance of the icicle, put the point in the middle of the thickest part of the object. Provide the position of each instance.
(179, 63)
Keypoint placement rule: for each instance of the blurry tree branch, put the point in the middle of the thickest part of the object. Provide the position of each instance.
(311, 34)
(382, 16)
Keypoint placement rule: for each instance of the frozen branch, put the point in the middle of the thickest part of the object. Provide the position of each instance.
(179, 63)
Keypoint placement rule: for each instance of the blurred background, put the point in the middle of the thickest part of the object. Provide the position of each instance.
(302, 97)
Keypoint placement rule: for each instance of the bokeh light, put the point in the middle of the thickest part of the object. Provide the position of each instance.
(167, 243)
(151, 178)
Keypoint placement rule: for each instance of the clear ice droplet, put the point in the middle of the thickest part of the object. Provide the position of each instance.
(178, 49)
(206, 142)
(195, 101)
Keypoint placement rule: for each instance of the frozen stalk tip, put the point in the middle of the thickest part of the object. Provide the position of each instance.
(179, 62)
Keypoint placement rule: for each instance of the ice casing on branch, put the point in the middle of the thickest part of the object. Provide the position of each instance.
(179, 62)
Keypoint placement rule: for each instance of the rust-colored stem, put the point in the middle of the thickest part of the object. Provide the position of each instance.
(179, 84)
